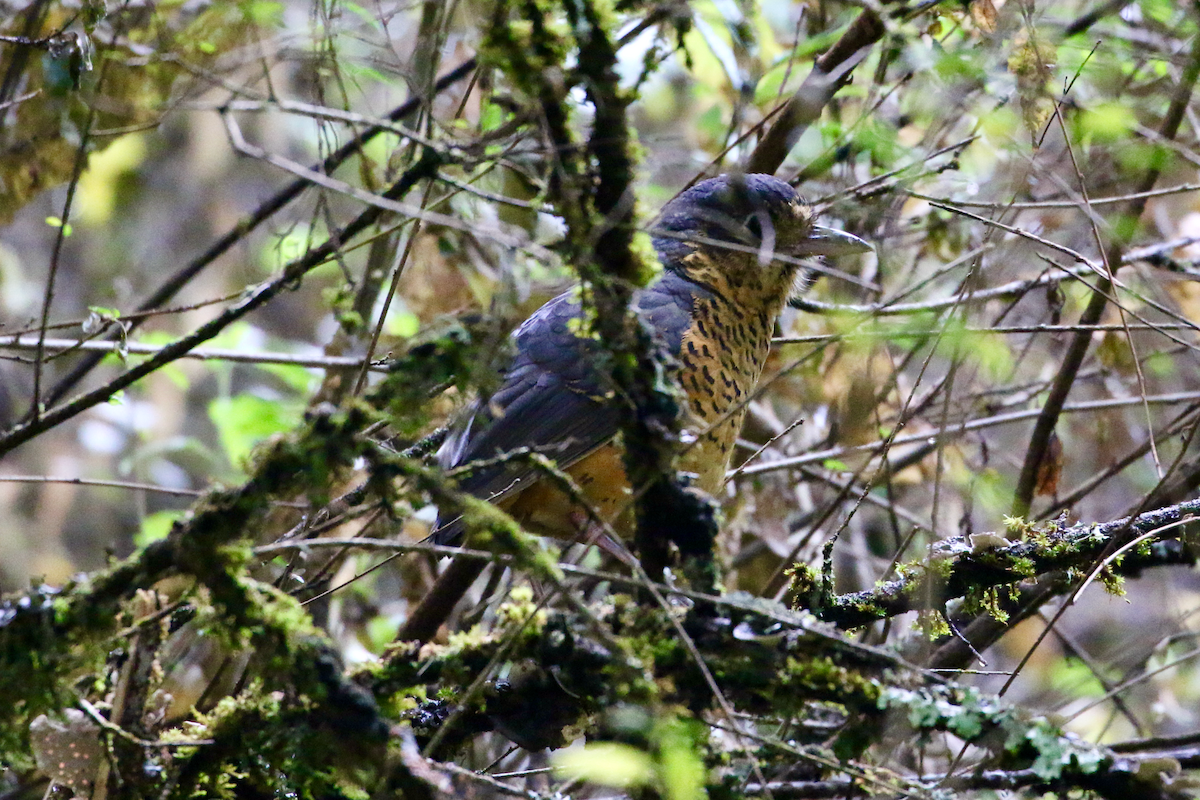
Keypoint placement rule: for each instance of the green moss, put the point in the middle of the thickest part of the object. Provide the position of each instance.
(489, 528)
(987, 600)
(1113, 583)
(822, 679)
(804, 582)
(521, 609)
(1023, 566)
(50, 636)
(932, 623)
(1018, 527)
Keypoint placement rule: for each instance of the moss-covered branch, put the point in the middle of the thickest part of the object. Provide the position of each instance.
(591, 188)
(970, 566)
(48, 635)
(764, 666)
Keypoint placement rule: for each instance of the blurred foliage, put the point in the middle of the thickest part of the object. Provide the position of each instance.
(990, 150)
(83, 88)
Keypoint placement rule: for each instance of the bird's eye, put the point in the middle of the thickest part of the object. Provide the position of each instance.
(753, 225)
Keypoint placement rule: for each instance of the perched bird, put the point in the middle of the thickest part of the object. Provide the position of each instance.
(730, 247)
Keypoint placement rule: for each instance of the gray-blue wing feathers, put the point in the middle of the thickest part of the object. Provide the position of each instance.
(555, 397)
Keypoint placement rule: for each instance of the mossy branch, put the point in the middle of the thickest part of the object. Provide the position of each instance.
(47, 635)
(764, 667)
(964, 566)
(591, 188)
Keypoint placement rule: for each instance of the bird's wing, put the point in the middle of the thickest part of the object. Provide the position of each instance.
(554, 398)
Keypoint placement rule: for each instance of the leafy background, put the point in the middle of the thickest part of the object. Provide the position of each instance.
(1000, 109)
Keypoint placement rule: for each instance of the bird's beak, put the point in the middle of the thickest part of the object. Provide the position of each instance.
(831, 242)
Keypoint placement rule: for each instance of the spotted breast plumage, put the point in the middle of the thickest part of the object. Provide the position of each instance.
(730, 247)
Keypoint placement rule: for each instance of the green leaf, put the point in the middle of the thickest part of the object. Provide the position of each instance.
(1106, 122)
(769, 85)
(1075, 679)
(56, 222)
(490, 117)
(364, 74)
(1165, 12)
(1142, 156)
(952, 64)
(607, 764)
(681, 771)
(817, 43)
(246, 420)
(1160, 365)
(364, 14)
(403, 324)
(301, 380)
(878, 138)
(263, 12)
(381, 630)
(156, 526)
(711, 124)
(288, 247)
(1000, 124)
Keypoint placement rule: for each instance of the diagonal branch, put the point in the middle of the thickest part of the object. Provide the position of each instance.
(829, 74)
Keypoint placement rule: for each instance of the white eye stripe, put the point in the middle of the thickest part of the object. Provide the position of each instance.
(763, 235)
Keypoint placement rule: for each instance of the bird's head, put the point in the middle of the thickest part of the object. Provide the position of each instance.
(744, 233)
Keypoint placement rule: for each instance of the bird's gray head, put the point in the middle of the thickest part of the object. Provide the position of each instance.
(741, 225)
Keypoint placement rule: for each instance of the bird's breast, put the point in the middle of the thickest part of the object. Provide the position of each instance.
(721, 359)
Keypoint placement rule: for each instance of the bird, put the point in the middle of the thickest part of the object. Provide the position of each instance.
(731, 249)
